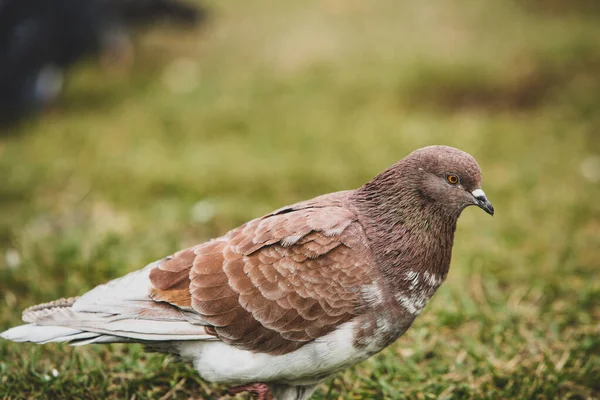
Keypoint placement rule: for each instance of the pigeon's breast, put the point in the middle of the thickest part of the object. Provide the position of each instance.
(417, 289)
(390, 310)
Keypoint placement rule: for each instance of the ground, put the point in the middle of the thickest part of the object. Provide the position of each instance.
(277, 101)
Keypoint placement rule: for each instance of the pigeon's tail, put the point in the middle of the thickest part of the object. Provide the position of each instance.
(117, 312)
(43, 333)
(52, 334)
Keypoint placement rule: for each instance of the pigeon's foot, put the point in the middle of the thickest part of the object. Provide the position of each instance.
(261, 390)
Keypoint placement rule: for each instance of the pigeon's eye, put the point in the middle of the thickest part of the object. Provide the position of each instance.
(452, 179)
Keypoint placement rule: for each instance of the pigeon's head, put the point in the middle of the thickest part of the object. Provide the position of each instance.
(449, 177)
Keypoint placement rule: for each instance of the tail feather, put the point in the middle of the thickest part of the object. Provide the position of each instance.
(102, 339)
(59, 334)
(116, 312)
(44, 334)
(63, 324)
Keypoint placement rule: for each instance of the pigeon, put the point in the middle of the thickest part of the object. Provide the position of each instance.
(284, 301)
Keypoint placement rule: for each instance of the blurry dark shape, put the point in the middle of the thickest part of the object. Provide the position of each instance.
(141, 12)
(40, 39)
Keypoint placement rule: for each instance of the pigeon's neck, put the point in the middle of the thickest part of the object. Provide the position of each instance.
(408, 233)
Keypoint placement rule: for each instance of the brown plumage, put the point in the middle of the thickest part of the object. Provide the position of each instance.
(276, 282)
(294, 296)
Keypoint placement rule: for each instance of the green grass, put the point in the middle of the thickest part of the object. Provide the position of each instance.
(286, 100)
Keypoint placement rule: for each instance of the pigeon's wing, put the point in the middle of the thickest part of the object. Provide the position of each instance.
(275, 283)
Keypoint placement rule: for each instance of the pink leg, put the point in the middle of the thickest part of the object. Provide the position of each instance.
(261, 390)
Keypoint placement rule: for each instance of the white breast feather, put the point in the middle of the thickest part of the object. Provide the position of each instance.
(220, 362)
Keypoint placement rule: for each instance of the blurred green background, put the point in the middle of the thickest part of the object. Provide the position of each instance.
(277, 101)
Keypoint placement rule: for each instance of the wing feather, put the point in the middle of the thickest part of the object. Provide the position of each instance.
(275, 283)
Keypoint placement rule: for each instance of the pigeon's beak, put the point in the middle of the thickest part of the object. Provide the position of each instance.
(482, 201)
